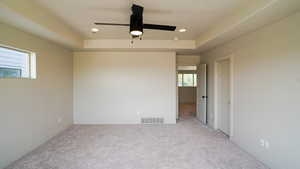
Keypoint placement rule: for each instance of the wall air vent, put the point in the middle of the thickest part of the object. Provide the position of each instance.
(152, 120)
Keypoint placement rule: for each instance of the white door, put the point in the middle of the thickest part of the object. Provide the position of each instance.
(201, 93)
(224, 96)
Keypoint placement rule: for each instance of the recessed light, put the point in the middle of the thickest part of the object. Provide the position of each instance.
(95, 30)
(182, 30)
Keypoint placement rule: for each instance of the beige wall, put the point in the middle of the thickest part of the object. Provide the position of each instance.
(122, 87)
(266, 91)
(33, 111)
(187, 60)
(187, 94)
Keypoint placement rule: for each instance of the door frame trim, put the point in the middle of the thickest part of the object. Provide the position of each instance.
(231, 76)
(199, 96)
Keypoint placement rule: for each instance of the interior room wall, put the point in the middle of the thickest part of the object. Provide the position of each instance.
(33, 111)
(187, 97)
(266, 91)
(187, 94)
(123, 87)
(187, 60)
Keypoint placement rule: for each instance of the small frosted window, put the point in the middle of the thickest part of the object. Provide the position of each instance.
(16, 63)
(187, 80)
(179, 80)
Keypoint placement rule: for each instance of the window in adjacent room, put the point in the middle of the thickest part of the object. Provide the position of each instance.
(179, 80)
(187, 80)
(15, 63)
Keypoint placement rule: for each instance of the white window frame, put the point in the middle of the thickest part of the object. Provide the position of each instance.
(31, 60)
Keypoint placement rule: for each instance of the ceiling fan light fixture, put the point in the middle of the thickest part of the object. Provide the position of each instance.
(136, 33)
(136, 25)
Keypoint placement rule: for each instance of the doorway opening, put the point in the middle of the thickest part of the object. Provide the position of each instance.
(187, 91)
(224, 96)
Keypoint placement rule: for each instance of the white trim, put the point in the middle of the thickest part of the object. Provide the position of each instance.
(231, 61)
(177, 97)
(32, 65)
(17, 49)
(31, 61)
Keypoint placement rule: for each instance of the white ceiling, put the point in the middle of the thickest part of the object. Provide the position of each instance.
(195, 15)
(209, 22)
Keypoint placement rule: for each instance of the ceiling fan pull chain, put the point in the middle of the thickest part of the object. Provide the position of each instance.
(131, 43)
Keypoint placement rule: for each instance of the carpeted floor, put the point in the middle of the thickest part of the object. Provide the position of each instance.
(186, 145)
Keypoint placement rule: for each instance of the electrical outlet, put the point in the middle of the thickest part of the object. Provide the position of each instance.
(262, 142)
(267, 145)
(59, 119)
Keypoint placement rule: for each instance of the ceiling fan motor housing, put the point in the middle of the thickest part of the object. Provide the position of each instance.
(136, 19)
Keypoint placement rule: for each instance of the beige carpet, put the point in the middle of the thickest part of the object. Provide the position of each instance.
(186, 145)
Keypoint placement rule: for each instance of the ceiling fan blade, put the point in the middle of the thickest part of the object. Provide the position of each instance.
(111, 24)
(160, 27)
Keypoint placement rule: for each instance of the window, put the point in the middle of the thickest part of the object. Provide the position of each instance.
(187, 80)
(16, 63)
(179, 79)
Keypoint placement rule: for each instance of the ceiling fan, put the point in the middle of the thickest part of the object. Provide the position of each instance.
(136, 26)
